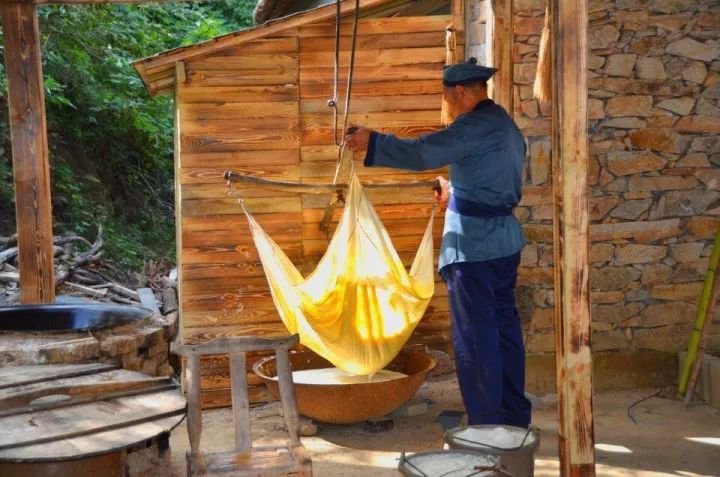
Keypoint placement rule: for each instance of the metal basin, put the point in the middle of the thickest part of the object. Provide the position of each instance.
(75, 317)
(350, 403)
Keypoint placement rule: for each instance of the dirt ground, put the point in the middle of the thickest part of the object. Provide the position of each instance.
(667, 439)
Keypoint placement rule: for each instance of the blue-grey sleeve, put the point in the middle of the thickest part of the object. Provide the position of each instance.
(430, 151)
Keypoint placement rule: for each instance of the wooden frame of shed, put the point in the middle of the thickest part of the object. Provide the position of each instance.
(197, 174)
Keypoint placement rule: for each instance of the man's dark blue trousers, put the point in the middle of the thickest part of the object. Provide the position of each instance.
(489, 349)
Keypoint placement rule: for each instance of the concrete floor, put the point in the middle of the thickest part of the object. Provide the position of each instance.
(668, 439)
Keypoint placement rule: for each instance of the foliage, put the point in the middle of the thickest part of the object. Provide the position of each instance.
(111, 147)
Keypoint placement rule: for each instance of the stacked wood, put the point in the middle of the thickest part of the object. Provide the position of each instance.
(83, 272)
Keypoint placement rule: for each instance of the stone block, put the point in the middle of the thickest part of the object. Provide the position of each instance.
(687, 252)
(615, 313)
(631, 209)
(412, 408)
(623, 163)
(650, 45)
(600, 206)
(690, 271)
(659, 139)
(625, 123)
(601, 252)
(603, 36)
(651, 67)
(699, 124)
(670, 313)
(611, 340)
(524, 73)
(707, 108)
(596, 109)
(689, 48)
(535, 276)
(684, 203)
(540, 343)
(641, 232)
(620, 65)
(689, 291)
(693, 159)
(69, 352)
(150, 366)
(680, 106)
(709, 144)
(659, 183)
(538, 233)
(131, 362)
(606, 297)
(695, 72)
(636, 253)
(634, 105)
(120, 344)
(711, 178)
(543, 319)
(539, 162)
(529, 256)
(671, 338)
(612, 278)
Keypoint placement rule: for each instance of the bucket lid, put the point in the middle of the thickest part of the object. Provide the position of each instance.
(448, 463)
(492, 438)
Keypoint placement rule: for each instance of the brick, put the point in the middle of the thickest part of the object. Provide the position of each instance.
(625, 163)
(635, 253)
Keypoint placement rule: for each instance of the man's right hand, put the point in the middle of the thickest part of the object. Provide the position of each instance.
(442, 192)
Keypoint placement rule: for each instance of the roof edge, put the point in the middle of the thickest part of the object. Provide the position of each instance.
(163, 61)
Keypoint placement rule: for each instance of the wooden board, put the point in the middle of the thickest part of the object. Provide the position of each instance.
(91, 428)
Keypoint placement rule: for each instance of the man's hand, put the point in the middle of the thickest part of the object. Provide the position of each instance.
(357, 138)
(442, 192)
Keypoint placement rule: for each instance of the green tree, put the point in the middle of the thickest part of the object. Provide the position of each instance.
(111, 143)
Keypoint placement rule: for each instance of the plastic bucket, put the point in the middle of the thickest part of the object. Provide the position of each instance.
(514, 446)
(449, 463)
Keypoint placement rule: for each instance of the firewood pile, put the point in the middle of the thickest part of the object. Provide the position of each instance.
(81, 271)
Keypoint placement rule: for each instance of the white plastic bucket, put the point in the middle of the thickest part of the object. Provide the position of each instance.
(449, 463)
(514, 446)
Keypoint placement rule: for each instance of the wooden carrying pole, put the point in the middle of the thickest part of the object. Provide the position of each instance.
(26, 101)
(571, 237)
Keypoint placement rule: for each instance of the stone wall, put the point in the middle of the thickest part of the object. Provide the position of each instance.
(654, 129)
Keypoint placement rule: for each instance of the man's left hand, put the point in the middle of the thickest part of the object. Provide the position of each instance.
(357, 138)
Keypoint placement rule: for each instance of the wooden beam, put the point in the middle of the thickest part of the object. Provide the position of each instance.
(28, 127)
(499, 28)
(571, 238)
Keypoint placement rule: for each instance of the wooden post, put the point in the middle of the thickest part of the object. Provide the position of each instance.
(28, 126)
(499, 34)
(571, 238)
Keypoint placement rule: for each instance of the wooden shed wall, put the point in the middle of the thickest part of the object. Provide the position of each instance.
(261, 108)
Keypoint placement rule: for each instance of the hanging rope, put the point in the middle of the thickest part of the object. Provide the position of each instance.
(332, 103)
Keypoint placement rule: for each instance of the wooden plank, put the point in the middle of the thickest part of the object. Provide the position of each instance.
(240, 402)
(179, 155)
(250, 286)
(374, 57)
(25, 375)
(380, 197)
(217, 77)
(500, 86)
(385, 212)
(243, 141)
(203, 335)
(207, 223)
(216, 398)
(287, 396)
(377, 26)
(230, 206)
(232, 254)
(226, 110)
(194, 413)
(31, 170)
(214, 175)
(226, 302)
(217, 191)
(288, 44)
(380, 120)
(419, 102)
(230, 317)
(380, 73)
(374, 89)
(242, 125)
(280, 233)
(324, 136)
(571, 234)
(379, 41)
(236, 344)
(239, 159)
(395, 228)
(246, 63)
(238, 94)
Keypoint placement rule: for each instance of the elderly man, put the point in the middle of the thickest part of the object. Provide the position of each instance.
(482, 239)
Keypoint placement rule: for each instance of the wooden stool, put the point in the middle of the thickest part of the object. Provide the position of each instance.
(245, 460)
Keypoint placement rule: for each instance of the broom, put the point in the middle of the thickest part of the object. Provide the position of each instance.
(543, 78)
(450, 58)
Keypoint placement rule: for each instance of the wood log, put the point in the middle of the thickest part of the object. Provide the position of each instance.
(95, 293)
(28, 129)
(571, 234)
